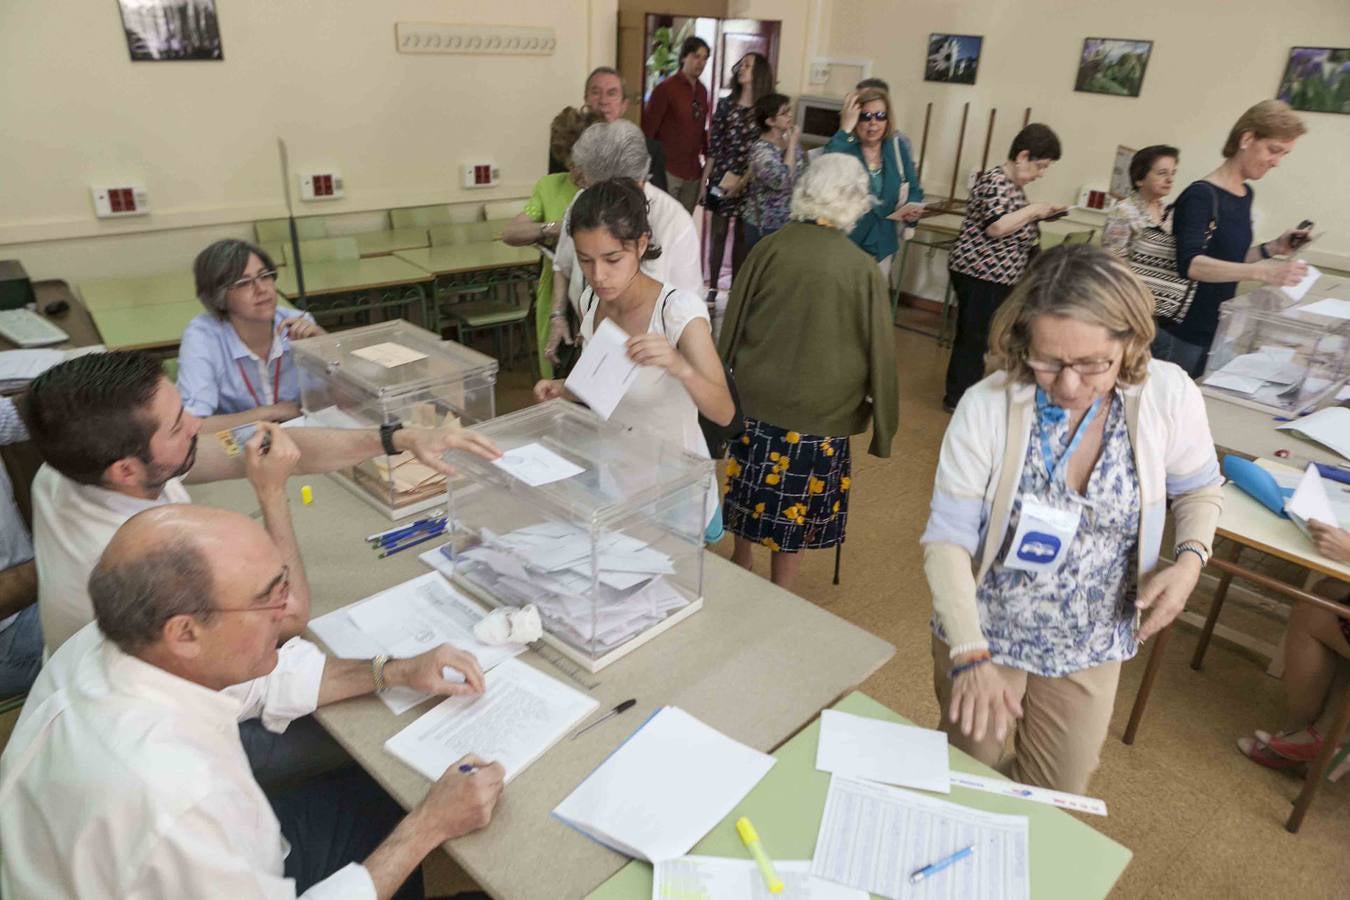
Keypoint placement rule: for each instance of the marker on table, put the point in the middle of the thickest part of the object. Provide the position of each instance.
(621, 708)
(941, 864)
(750, 838)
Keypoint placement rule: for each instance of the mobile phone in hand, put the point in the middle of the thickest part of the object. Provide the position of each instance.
(1298, 240)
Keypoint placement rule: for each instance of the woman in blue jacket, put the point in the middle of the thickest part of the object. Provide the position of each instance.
(865, 131)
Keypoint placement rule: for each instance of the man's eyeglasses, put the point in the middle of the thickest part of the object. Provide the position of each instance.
(279, 588)
(1083, 367)
(873, 116)
(266, 276)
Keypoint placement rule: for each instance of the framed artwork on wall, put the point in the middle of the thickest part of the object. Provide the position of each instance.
(169, 30)
(1113, 66)
(1317, 79)
(953, 58)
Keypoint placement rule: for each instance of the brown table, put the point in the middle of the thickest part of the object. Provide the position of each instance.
(74, 321)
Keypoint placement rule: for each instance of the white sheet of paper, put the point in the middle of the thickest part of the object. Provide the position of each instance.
(1329, 427)
(1329, 306)
(521, 714)
(873, 837)
(1267, 365)
(887, 752)
(1005, 788)
(664, 788)
(604, 372)
(1239, 383)
(718, 878)
(389, 354)
(1298, 290)
(536, 465)
(1310, 502)
(406, 620)
(1343, 394)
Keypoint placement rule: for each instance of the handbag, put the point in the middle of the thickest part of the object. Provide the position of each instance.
(1153, 257)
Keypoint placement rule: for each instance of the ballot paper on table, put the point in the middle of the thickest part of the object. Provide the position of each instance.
(664, 788)
(604, 372)
(406, 620)
(521, 713)
(1329, 427)
(1310, 503)
(1296, 291)
(389, 354)
(719, 878)
(536, 465)
(862, 747)
(873, 837)
(1330, 307)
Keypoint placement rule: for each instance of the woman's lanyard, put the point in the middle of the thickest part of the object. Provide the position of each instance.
(276, 382)
(1048, 414)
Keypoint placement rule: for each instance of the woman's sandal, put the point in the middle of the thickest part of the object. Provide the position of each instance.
(1303, 751)
(1258, 752)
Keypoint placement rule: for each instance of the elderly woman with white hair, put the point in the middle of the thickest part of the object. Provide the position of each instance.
(606, 151)
(808, 334)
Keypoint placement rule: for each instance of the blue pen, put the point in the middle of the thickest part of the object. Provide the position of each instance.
(438, 528)
(380, 535)
(941, 864)
(411, 530)
(390, 551)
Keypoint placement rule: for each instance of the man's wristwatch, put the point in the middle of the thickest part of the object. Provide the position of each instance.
(387, 437)
(377, 671)
(1192, 547)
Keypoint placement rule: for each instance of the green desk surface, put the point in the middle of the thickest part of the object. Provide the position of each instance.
(382, 243)
(148, 327)
(450, 259)
(345, 275)
(123, 293)
(1068, 859)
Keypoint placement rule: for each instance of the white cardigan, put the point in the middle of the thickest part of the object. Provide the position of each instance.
(981, 465)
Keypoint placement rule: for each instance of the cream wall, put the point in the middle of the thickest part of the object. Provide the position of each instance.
(201, 136)
(1205, 70)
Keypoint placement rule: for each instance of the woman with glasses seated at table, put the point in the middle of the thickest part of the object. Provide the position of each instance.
(1047, 517)
(234, 361)
(865, 130)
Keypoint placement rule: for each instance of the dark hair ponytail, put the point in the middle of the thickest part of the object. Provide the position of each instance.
(619, 207)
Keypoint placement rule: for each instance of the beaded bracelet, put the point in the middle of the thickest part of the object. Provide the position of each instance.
(967, 666)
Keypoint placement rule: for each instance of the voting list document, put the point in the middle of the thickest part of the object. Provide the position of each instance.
(718, 878)
(522, 713)
(873, 837)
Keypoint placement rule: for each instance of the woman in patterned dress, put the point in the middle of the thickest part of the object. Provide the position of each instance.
(776, 162)
(1152, 171)
(1047, 518)
(733, 132)
(808, 333)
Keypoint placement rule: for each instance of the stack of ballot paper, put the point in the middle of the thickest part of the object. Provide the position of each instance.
(549, 565)
(664, 788)
(1329, 427)
(1311, 501)
(404, 621)
(521, 713)
(1269, 371)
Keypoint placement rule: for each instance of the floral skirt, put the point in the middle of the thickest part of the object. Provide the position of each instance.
(787, 490)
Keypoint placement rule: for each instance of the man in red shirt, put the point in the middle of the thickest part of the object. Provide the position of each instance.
(677, 117)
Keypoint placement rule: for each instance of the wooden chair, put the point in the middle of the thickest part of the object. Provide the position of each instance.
(496, 307)
(327, 250)
(279, 230)
(1317, 771)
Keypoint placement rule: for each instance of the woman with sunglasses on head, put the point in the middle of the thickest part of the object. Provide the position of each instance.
(865, 128)
(234, 361)
(734, 131)
(1047, 518)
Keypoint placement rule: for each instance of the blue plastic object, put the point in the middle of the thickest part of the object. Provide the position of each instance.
(1257, 482)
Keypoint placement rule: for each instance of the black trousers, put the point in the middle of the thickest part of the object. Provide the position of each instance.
(976, 302)
(335, 819)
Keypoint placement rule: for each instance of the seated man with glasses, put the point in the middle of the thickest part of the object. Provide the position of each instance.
(234, 361)
(124, 776)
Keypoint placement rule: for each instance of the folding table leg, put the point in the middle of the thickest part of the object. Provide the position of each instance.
(1318, 770)
(1146, 685)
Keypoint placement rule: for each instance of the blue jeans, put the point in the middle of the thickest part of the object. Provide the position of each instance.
(302, 751)
(21, 652)
(1191, 357)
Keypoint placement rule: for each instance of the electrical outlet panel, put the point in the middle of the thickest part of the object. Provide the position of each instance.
(820, 72)
(321, 186)
(480, 175)
(116, 201)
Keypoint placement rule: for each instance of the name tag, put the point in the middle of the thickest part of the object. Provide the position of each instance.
(1043, 536)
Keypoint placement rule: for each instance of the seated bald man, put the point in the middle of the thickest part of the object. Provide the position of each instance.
(125, 777)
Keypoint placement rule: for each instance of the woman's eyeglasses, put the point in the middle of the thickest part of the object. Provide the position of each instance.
(1083, 367)
(873, 116)
(266, 276)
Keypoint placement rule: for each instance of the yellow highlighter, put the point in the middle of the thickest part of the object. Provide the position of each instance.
(751, 840)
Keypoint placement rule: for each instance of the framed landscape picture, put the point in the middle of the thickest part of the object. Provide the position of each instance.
(165, 30)
(1112, 66)
(1317, 79)
(953, 58)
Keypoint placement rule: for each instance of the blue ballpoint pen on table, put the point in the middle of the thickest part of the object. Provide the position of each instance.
(393, 539)
(379, 536)
(413, 541)
(941, 864)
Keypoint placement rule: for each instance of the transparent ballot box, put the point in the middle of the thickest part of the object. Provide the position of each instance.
(393, 372)
(610, 550)
(1269, 355)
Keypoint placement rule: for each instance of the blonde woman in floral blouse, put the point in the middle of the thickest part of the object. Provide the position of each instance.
(1152, 172)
